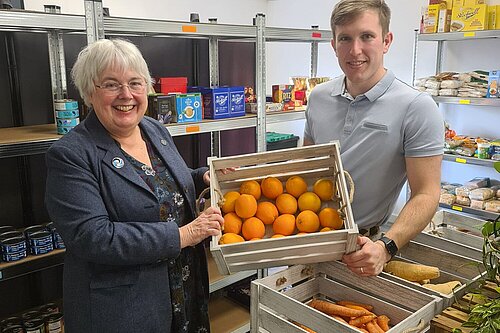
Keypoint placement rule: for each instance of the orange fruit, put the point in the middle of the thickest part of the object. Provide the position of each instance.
(296, 185)
(302, 233)
(286, 204)
(325, 229)
(271, 187)
(324, 188)
(309, 201)
(253, 228)
(307, 221)
(229, 200)
(254, 239)
(230, 238)
(266, 212)
(251, 187)
(284, 225)
(329, 217)
(232, 223)
(245, 206)
(277, 236)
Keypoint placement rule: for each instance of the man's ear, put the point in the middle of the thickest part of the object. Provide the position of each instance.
(389, 37)
(332, 43)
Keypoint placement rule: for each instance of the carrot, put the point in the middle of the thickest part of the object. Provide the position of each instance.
(363, 330)
(383, 322)
(358, 321)
(334, 309)
(303, 327)
(357, 307)
(379, 329)
(366, 306)
(371, 327)
(339, 319)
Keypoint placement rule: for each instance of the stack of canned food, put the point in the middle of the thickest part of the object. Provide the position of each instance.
(45, 319)
(67, 115)
(34, 240)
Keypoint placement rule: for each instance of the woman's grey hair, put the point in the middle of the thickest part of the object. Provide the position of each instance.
(95, 58)
(347, 10)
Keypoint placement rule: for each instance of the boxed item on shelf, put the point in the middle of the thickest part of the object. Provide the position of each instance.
(281, 301)
(311, 163)
(283, 93)
(493, 82)
(236, 101)
(276, 141)
(455, 270)
(469, 18)
(175, 108)
(215, 101)
(167, 85)
(162, 108)
(188, 107)
(494, 17)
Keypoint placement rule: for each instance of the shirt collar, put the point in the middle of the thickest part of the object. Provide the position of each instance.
(372, 94)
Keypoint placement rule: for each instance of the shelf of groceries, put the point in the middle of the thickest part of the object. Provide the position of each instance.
(470, 160)
(28, 140)
(474, 212)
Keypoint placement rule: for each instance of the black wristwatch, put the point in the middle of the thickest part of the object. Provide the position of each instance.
(390, 245)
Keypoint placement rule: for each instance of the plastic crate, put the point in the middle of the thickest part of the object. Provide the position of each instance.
(275, 141)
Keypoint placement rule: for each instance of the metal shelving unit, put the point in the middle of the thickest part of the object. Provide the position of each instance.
(468, 160)
(475, 212)
(30, 264)
(467, 101)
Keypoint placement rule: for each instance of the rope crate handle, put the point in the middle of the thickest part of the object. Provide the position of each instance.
(200, 201)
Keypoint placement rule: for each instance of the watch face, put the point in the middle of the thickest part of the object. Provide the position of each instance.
(390, 245)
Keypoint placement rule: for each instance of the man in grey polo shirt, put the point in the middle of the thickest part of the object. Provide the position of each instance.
(388, 133)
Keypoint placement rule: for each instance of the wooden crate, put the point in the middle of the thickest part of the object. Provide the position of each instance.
(280, 298)
(452, 267)
(310, 162)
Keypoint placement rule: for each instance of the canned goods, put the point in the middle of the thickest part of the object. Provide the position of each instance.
(11, 245)
(36, 250)
(34, 228)
(48, 308)
(54, 323)
(11, 234)
(40, 238)
(9, 257)
(59, 245)
(5, 228)
(50, 226)
(29, 315)
(65, 104)
(34, 326)
(11, 321)
(13, 329)
(68, 114)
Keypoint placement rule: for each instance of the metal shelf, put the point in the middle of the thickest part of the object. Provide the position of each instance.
(468, 160)
(297, 35)
(474, 212)
(30, 264)
(467, 101)
(459, 36)
(35, 21)
(29, 140)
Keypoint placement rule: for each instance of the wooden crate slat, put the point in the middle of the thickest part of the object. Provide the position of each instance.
(289, 276)
(274, 323)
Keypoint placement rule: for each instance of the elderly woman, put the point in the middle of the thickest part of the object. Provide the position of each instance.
(123, 200)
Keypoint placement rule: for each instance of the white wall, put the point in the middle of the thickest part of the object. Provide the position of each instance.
(292, 59)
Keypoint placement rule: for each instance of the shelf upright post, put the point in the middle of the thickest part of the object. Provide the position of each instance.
(439, 61)
(94, 20)
(314, 55)
(260, 81)
(415, 55)
(56, 59)
(213, 59)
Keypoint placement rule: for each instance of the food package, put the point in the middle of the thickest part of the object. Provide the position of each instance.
(492, 206)
(478, 182)
(448, 92)
(464, 191)
(463, 201)
(451, 188)
(447, 199)
(451, 84)
(481, 194)
(477, 204)
(420, 82)
(433, 84)
(469, 17)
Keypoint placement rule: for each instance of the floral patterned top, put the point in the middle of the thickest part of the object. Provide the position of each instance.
(188, 297)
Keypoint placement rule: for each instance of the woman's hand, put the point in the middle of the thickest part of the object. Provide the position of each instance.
(209, 223)
(206, 175)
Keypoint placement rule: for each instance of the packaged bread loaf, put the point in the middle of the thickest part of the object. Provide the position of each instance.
(478, 204)
(481, 194)
(447, 199)
(464, 191)
(492, 206)
(463, 201)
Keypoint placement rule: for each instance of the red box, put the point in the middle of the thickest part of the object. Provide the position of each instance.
(167, 85)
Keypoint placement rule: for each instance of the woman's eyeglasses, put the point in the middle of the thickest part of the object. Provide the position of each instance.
(113, 88)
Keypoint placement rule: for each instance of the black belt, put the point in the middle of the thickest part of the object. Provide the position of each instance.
(369, 232)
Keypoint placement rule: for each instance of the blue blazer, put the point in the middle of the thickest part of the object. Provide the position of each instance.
(115, 268)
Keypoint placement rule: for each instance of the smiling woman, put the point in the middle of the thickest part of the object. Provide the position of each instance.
(123, 200)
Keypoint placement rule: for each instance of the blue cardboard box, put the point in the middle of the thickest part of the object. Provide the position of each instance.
(236, 101)
(188, 107)
(216, 102)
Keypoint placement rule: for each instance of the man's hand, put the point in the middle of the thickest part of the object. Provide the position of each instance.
(209, 223)
(369, 259)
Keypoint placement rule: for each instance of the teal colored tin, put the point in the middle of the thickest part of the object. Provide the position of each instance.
(64, 129)
(65, 104)
(67, 122)
(68, 114)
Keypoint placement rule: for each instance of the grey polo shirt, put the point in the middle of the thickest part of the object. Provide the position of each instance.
(376, 130)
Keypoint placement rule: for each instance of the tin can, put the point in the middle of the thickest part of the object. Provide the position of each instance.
(13, 329)
(37, 250)
(34, 228)
(5, 228)
(48, 308)
(40, 238)
(12, 245)
(11, 321)
(9, 257)
(54, 323)
(34, 326)
(65, 104)
(29, 315)
(11, 234)
(50, 226)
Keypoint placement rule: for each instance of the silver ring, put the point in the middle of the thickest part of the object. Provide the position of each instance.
(362, 270)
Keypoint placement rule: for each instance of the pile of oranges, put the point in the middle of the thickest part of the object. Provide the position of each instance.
(288, 210)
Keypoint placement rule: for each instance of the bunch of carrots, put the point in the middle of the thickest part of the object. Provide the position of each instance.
(357, 315)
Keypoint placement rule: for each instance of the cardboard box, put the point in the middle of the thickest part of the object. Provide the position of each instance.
(162, 108)
(311, 163)
(236, 101)
(188, 107)
(215, 102)
(493, 84)
(469, 18)
(168, 85)
(431, 20)
(444, 20)
(494, 17)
